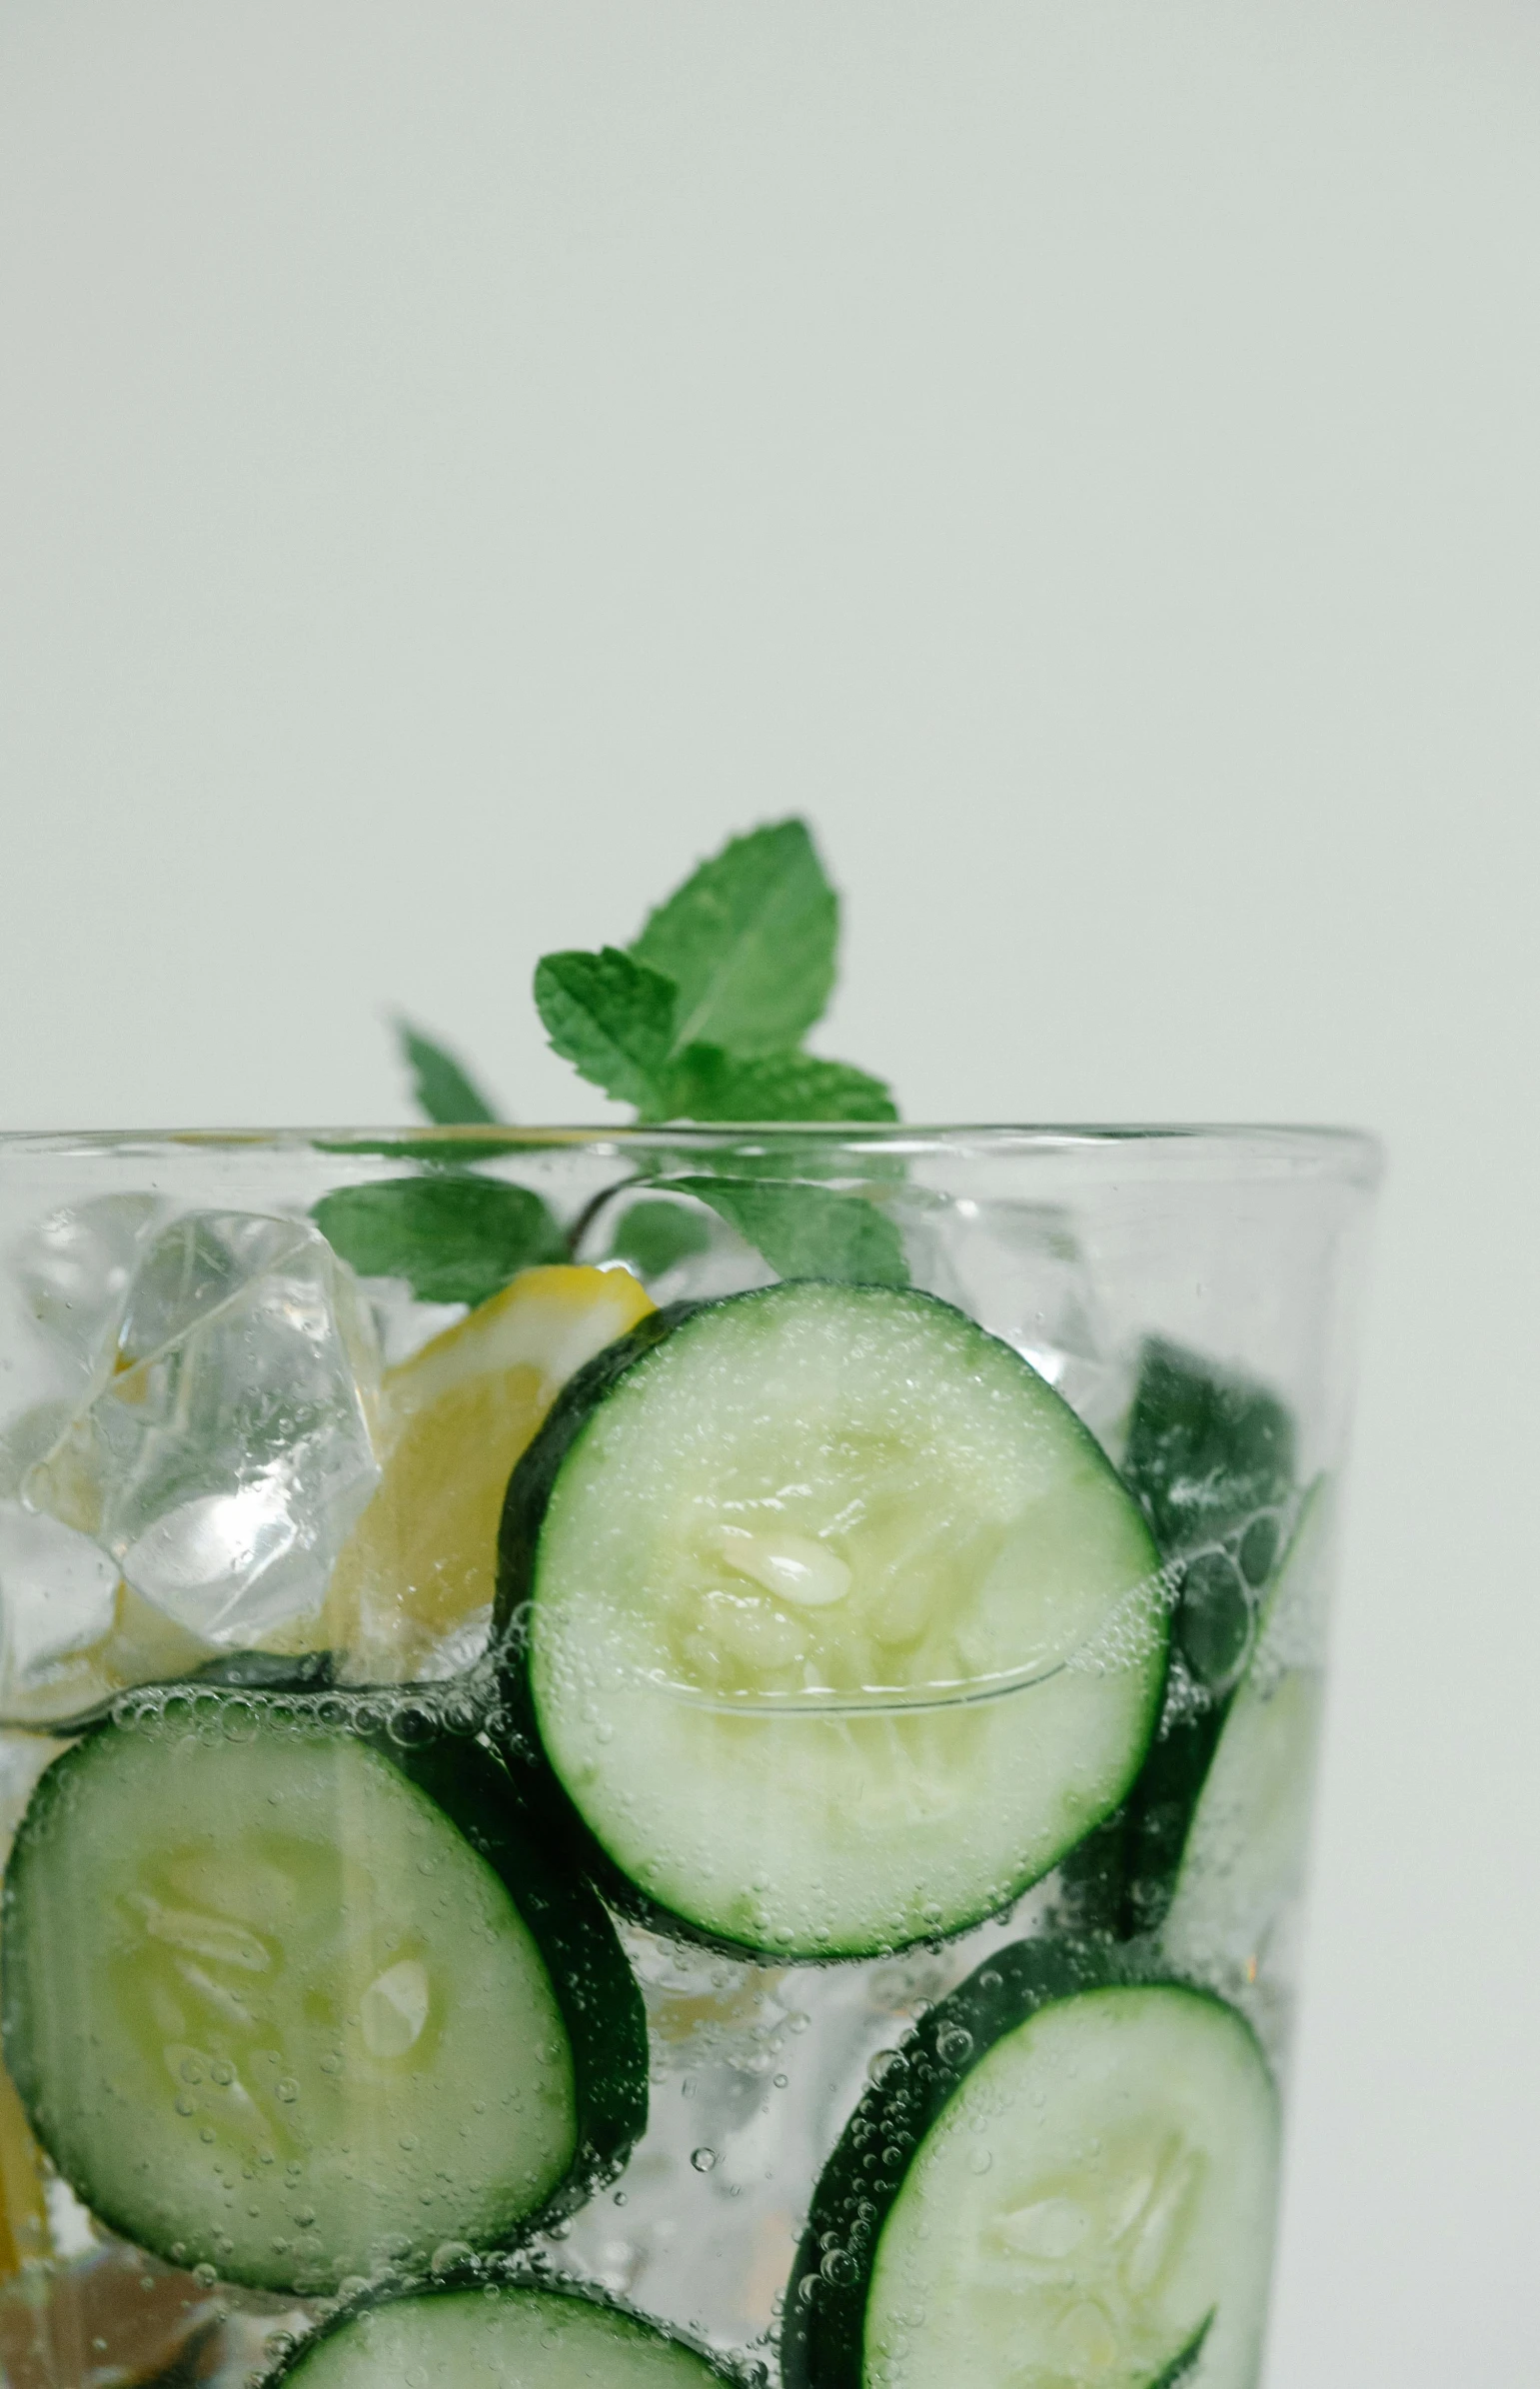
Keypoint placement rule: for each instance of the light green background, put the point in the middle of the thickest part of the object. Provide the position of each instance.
(458, 458)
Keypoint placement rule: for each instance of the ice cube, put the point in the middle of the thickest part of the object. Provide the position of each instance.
(57, 1594)
(224, 1459)
(75, 1269)
(28, 1438)
(1021, 1271)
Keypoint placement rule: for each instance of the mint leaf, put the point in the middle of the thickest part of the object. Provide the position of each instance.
(806, 1231)
(443, 1093)
(613, 1019)
(455, 1240)
(655, 1234)
(706, 1084)
(748, 942)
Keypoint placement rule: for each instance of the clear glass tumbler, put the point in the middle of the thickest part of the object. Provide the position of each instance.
(659, 1756)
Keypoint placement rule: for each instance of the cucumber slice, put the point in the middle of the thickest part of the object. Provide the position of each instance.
(1062, 2178)
(497, 2337)
(838, 1627)
(1210, 1457)
(279, 2003)
(1243, 1860)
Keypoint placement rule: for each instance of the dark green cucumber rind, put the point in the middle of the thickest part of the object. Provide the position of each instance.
(1207, 1450)
(534, 1480)
(823, 2338)
(1160, 1810)
(477, 2280)
(596, 1992)
(243, 1671)
(1181, 2367)
(515, 1725)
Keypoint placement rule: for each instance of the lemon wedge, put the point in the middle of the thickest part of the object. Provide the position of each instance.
(421, 1563)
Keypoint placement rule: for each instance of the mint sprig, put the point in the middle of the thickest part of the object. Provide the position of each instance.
(702, 1018)
(613, 1020)
(749, 942)
(454, 1239)
(805, 1231)
(445, 1095)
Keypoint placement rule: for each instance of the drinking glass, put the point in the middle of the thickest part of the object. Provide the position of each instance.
(657, 1756)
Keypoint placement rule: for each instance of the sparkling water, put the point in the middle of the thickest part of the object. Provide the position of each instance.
(201, 1422)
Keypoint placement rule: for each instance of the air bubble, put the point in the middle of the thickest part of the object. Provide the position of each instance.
(1214, 1622)
(1259, 1550)
(839, 2267)
(703, 2159)
(205, 2275)
(954, 2044)
(288, 2090)
(411, 1727)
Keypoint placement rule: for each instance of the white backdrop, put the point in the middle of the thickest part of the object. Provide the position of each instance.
(458, 458)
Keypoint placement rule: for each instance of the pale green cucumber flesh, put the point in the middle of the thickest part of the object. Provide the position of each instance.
(476, 2338)
(271, 2012)
(841, 1628)
(1243, 1860)
(1098, 2186)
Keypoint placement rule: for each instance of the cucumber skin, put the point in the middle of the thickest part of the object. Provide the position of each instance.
(480, 2279)
(596, 1991)
(597, 1994)
(1183, 2367)
(1207, 1449)
(515, 1722)
(822, 2337)
(236, 1670)
(533, 1479)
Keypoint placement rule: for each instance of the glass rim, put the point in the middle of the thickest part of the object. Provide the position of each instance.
(1254, 1148)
